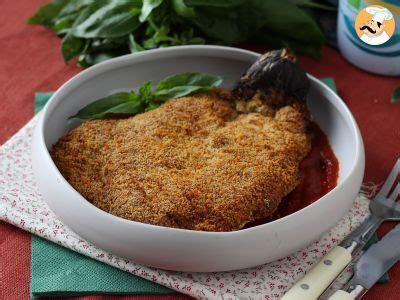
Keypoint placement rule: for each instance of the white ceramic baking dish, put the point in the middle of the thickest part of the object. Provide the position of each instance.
(187, 250)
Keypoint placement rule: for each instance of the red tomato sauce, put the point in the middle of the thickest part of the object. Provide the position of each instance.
(319, 173)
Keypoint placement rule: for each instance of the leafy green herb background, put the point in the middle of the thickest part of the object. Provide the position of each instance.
(96, 30)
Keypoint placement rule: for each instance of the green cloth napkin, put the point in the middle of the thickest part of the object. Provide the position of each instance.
(56, 270)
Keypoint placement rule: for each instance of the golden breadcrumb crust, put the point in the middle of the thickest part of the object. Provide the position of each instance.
(193, 163)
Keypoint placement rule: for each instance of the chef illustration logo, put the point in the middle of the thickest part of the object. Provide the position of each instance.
(375, 25)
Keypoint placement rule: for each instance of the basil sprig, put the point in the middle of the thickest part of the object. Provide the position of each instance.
(396, 94)
(96, 30)
(145, 99)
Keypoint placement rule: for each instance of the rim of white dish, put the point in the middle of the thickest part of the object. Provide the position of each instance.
(202, 50)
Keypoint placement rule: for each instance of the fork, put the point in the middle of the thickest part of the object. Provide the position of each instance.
(383, 207)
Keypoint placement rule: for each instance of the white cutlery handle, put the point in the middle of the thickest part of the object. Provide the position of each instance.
(341, 295)
(352, 292)
(314, 283)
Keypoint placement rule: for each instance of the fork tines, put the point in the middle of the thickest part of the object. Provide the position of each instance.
(388, 185)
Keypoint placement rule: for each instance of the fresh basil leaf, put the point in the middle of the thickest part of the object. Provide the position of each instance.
(217, 3)
(196, 41)
(90, 59)
(157, 41)
(71, 45)
(133, 45)
(145, 92)
(83, 61)
(255, 17)
(312, 4)
(178, 91)
(160, 37)
(187, 38)
(71, 15)
(147, 8)
(47, 13)
(220, 25)
(396, 95)
(116, 19)
(119, 103)
(231, 24)
(63, 25)
(184, 84)
(75, 6)
(182, 9)
(150, 44)
(116, 44)
(276, 41)
(151, 106)
(189, 79)
(150, 31)
(288, 21)
(130, 108)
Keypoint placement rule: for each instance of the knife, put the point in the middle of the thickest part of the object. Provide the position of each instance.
(383, 207)
(375, 262)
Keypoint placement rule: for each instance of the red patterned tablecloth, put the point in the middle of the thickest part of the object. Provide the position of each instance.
(30, 61)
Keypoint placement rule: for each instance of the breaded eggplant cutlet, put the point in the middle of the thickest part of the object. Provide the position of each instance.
(208, 161)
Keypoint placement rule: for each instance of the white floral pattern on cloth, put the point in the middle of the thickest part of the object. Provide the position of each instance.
(21, 205)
